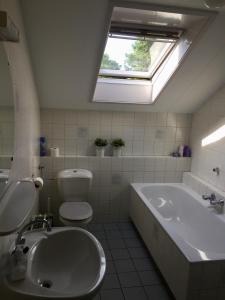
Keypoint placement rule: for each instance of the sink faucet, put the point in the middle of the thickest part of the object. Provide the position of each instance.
(20, 240)
(18, 258)
(213, 200)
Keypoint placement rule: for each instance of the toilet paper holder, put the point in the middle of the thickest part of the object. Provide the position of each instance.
(38, 181)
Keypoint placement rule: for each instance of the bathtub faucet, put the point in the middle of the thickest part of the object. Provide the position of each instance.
(213, 200)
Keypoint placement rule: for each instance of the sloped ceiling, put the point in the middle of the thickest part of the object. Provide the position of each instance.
(66, 39)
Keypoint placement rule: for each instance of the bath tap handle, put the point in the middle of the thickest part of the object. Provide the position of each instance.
(213, 200)
(217, 202)
(211, 197)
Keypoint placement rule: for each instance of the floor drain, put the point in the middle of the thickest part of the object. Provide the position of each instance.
(45, 283)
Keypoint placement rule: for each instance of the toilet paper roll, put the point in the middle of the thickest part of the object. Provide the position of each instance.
(38, 182)
(54, 152)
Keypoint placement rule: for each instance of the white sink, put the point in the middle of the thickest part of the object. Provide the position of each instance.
(67, 262)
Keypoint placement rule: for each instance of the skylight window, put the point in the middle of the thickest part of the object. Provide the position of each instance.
(144, 48)
(135, 54)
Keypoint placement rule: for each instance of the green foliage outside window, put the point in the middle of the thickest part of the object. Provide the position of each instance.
(109, 64)
(139, 59)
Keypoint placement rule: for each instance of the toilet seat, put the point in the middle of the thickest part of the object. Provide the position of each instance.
(75, 211)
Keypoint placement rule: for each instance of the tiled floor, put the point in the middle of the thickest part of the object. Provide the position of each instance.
(131, 273)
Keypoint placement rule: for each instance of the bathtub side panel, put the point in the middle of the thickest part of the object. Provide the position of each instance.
(171, 262)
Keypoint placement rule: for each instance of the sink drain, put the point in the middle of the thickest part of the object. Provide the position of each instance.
(45, 283)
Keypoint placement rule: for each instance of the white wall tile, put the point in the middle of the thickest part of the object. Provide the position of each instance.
(116, 163)
(94, 163)
(138, 177)
(143, 133)
(149, 164)
(58, 116)
(70, 131)
(138, 148)
(83, 117)
(82, 147)
(106, 119)
(70, 162)
(148, 177)
(105, 164)
(140, 118)
(127, 164)
(71, 117)
(171, 120)
(58, 131)
(70, 147)
(94, 118)
(138, 164)
(82, 162)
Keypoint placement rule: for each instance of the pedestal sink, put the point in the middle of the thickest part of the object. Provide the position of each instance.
(66, 263)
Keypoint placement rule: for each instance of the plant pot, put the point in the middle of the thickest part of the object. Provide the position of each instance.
(117, 151)
(100, 151)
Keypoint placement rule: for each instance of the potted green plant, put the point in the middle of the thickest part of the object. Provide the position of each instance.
(100, 146)
(117, 146)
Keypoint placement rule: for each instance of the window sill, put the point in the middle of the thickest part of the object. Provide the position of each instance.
(123, 91)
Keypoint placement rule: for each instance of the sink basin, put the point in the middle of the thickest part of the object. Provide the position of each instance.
(64, 263)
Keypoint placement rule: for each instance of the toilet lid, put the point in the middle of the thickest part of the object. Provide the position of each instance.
(75, 211)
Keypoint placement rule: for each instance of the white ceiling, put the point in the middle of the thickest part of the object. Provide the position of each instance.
(65, 40)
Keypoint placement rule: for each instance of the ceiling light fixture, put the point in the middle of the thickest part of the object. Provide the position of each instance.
(214, 3)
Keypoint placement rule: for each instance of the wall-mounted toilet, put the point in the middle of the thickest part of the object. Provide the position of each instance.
(74, 186)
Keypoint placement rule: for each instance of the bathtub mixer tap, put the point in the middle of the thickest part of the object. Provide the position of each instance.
(213, 200)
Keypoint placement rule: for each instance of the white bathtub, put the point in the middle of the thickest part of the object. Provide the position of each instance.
(182, 233)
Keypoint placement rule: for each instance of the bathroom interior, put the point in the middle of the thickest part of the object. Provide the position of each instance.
(112, 149)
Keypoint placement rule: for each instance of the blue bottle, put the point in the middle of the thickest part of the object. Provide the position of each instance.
(43, 147)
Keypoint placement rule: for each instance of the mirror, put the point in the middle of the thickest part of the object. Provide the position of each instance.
(6, 118)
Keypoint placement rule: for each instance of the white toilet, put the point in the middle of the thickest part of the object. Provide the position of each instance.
(74, 185)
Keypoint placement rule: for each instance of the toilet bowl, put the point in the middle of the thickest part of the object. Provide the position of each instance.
(74, 186)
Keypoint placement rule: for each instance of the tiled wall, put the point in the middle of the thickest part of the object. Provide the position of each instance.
(109, 194)
(207, 119)
(6, 131)
(144, 133)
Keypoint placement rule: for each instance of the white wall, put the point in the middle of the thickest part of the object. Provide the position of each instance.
(6, 132)
(25, 100)
(206, 120)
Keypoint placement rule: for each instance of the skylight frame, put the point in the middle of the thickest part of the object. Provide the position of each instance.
(122, 74)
